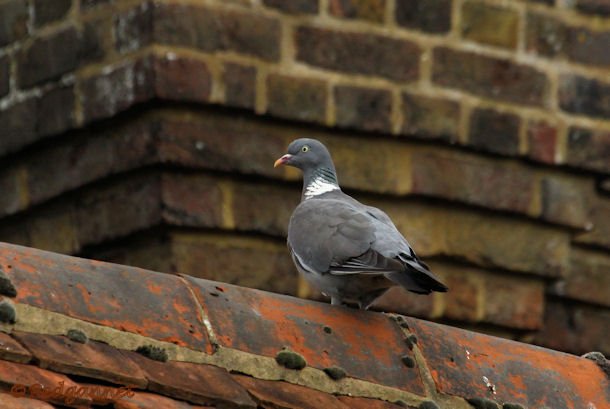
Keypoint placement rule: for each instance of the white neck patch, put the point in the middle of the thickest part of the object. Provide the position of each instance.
(319, 186)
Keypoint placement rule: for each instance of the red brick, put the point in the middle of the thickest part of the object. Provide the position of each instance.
(286, 395)
(11, 350)
(218, 30)
(133, 28)
(371, 10)
(45, 12)
(458, 360)
(462, 301)
(116, 88)
(494, 131)
(265, 323)
(358, 53)
(26, 376)
(56, 111)
(13, 21)
(48, 58)
(488, 24)
(472, 179)
(542, 141)
(574, 327)
(8, 401)
(181, 78)
(73, 287)
(294, 6)
(5, 70)
(430, 117)
(366, 109)
(489, 77)
(296, 98)
(240, 84)
(588, 46)
(197, 383)
(589, 149)
(433, 16)
(95, 360)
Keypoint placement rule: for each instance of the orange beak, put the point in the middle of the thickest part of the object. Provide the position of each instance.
(282, 160)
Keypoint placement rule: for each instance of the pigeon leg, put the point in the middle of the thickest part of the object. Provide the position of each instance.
(336, 301)
(368, 299)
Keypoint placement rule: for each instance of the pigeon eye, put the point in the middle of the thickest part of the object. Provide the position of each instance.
(305, 148)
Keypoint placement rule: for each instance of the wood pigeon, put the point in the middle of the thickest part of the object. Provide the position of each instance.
(349, 251)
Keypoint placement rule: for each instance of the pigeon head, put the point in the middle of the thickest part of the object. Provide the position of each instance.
(305, 154)
(313, 159)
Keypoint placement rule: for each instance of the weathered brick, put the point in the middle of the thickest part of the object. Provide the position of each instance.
(513, 301)
(5, 72)
(240, 85)
(490, 24)
(589, 149)
(566, 201)
(13, 185)
(49, 11)
(294, 6)
(358, 53)
(71, 164)
(18, 124)
(587, 279)
(233, 259)
(88, 4)
(13, 21)
(430, 117)
(586, 96)
(48, 58)
(54, 229)
(133, 28)
(462, 301)
(599, 232)
(296, 98)
(193, 201)
(371, 10)
(576, 328)
(599, 7)
(400, 301)
(550, 37)
(116, 210)
(471, 179)
(494, 131)
(588, 46)
(56, 111)
(367, 109)
(489, 77)
(433, 16)
(542, 141)
(545, 35)
(181, 78)
(116, 88)
(95, 35)
(218, 30)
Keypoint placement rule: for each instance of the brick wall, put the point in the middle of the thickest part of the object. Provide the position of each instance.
(145, 132)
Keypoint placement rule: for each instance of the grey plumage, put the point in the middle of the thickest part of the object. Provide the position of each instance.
(350, 251)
